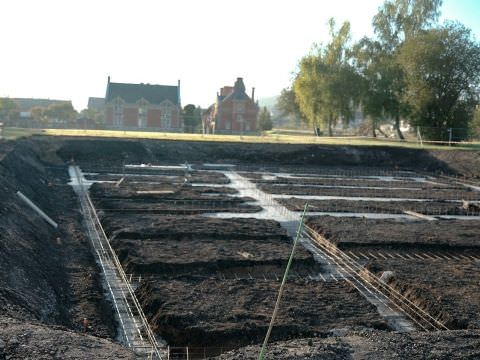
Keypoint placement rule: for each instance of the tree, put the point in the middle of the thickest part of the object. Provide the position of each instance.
(62, 112)
(475, 126)
(288, 106)
(8, 109)
(97, 116)
(326, 86)
(38, 113)
(191, 118)
(395, 22)
(264, 120)
(442, 76)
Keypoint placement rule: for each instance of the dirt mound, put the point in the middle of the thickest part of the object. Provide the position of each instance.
(48, 274)
(24, 340)
(347, 232)
(232, 313)
(373, 345)
(114, 153)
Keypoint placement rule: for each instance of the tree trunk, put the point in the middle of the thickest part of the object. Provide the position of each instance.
(373, 131)
(397, 126)
(330, 131)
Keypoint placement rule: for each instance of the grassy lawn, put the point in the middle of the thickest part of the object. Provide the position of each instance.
(16, 133)
(284, 138)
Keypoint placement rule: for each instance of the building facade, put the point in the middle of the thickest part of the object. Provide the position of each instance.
(143, 106)
(234, 112)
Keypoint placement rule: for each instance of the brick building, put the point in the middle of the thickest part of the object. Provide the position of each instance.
(143, 106)
(233, 112)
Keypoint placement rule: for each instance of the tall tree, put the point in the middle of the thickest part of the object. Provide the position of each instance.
(325, 86)
(395, 22)
(288, 106)
(264, 120)
(8, 109)
(475, 125)
(62, 112)
(442, 77)
(191, 118)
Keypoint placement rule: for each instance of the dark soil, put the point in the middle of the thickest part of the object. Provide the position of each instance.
(346, 232)
(166, 246)
(359, 181)
(196, 177)
(382, 207)
(48, 275)
(20, 340)
(232, 313)
(372, 345)
(435, 194)
(448, 290)
(445, 288)
(116, 152)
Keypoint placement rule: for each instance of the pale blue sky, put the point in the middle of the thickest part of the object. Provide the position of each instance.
(66, 49)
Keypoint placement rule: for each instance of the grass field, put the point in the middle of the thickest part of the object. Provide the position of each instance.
(284, 138)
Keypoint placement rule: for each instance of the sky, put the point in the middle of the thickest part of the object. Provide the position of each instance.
(66, 49)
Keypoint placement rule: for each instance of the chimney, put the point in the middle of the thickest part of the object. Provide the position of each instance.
(178, 94)
(108, 79)
(253, 94)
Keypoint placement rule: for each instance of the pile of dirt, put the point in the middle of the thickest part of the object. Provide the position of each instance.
(48, 275)
(346, 232)
(167, 199)
(370, 345)
(194, 245)
(25, 340)
(232, 313)
(447, 290)
(318, 180)
(427, 193)
(381, 207)
(117, 152)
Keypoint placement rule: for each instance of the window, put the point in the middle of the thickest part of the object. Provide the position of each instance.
(166, 117)
(118, 112)
(142, 116)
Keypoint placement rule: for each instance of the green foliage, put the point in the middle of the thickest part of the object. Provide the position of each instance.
(264, 120)
(395, 22)
(63, 112)
(475, 125)
(97, 116)
(326, 86)
(192, 118)
(442, 74)
(399, 20)
(8, 109)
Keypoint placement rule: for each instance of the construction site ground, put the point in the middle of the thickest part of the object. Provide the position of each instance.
(206, 257)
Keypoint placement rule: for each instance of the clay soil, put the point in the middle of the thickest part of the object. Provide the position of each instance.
(386, 207)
